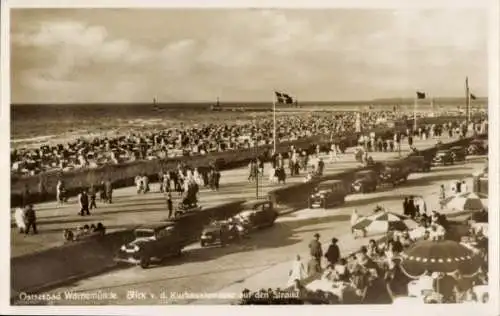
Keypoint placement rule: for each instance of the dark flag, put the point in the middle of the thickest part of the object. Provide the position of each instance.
(472, 97)
(283, 98)
(420, 95)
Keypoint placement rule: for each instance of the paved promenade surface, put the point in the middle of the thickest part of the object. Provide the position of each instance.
(130, 209)
(262, 261)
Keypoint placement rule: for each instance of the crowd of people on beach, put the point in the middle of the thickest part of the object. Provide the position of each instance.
(373, 274)
(196, 140)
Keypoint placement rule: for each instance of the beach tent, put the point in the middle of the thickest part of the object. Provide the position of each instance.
(445, 256)
(383, 222)
(469, 201)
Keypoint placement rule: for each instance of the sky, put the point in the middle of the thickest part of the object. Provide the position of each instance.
(197, 55)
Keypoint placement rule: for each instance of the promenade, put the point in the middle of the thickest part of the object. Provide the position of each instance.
(263, 260)
(130, 209)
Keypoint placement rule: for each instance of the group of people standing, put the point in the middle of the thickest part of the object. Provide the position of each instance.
(178, 180)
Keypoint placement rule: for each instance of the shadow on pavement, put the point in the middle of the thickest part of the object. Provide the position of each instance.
(377, 199)
(435, 179)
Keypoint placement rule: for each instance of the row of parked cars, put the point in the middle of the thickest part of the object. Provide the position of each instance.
(333, 192)
(156, 242)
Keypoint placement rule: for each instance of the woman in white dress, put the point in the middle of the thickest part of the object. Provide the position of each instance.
(298, 271)
(197, 177)
(20, 219)
(354, 219)
(272, 175)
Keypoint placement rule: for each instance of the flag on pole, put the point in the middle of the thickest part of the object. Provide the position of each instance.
(472, 97)
(420, 95)
(283, 98)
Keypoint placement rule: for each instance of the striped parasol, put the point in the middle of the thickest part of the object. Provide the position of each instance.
(444, 256)
(382, 222)
(469, 201)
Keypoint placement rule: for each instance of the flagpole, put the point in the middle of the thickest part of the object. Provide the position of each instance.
(274, 123)
(415, 113)
(467, 99)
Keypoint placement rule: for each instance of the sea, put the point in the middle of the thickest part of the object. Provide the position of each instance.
(36, 124)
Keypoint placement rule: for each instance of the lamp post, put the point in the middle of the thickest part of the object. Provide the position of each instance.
(256, 166)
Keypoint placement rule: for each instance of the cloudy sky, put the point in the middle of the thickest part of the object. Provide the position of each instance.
(133, 55)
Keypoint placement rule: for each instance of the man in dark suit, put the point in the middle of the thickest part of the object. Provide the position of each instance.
(405, 207)
(30, 219)
(170, 205)
(93, 196)
(411, 207)
(333, 252)
(83, 199)
(315, 248)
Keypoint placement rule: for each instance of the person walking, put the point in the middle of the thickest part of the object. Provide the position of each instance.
(464, 188)
(170, 205)
(411, 207)
(42, 191)
(83, 199)
(26, 196)
(298, 271)
(313, 267)
(315, 248)
(30, 220)
(60, 192)
(20, 218)
(333, 252)
(161, 175)
(108, 186)
(405, 207)
(93, 196)
(354, 219)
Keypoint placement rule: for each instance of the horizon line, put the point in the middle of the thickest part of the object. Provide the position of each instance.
(478, 98)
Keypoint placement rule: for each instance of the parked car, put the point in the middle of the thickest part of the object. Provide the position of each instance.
(477, 147)
(459, 153)
(365, 181)
(257, 214)
(395, 173)
(419, 164)
(219, 232)
(327, 194)
(154, 242)
(443, 157)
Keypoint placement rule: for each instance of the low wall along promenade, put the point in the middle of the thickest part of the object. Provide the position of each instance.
(122, 175)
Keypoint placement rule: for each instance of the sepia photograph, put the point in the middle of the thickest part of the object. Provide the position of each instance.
(249, 156)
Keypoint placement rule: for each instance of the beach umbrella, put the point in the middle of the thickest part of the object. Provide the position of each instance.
(469, 201)
(382, 222)
(445, 256)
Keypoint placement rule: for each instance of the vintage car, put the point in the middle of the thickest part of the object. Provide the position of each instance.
(477, 147)
(365, 181)
(257, 214)
(394, 173)
(219, 232)
(419, 164)
(154, 242)
(327, 193)
(443, 157)
(459, 153)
